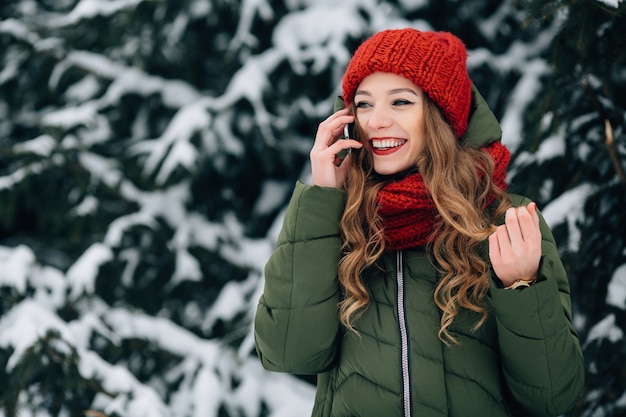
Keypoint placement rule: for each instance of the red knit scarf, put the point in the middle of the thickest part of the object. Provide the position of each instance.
(408, 211)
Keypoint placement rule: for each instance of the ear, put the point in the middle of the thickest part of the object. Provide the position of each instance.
(339, 104)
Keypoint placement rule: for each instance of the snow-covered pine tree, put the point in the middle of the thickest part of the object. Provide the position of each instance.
(147, 149)
(577, 127)
(138, 180)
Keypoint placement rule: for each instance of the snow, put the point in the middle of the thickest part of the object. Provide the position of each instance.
(102, 169)
(605, 329)
(523, 94)
(29, 320)
(272, 194)
(231, 301)
(173, 148)
(412, 5)
(42, 145)
(249, 11)
(569, 208)
(126, 80)
(490, 26)
(16, 267)
(83, 90)
(550, 148)
(72, 116)
(529, 84)
(611, 3)
(81, 276)
(303, 39)
(24, 324)
(17, 176)
(87, 9)
(17, 29)
(616, 292)
(88, 206)
(49, 287)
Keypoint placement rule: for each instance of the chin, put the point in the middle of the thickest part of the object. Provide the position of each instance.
(387, 172)
(390, 169)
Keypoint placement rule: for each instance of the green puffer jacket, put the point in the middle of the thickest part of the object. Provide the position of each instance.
(524, 361)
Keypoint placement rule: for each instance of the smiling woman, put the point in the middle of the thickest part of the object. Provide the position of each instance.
(406, 277)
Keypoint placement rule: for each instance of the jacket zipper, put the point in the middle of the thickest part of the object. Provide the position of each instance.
(404, 338)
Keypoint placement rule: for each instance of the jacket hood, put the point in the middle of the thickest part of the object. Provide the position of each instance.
(483, 127)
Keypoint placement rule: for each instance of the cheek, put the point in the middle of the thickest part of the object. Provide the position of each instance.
(419, 134)
(360, 124)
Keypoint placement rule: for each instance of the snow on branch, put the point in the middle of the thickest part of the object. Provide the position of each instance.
(81, 276)
(24, 324)
(88, 9)
(249, 10)
(569, 208)
(130, 80)
(16, 266)
(616, 291)
(174, 147)
(20, 174)
(302, 39)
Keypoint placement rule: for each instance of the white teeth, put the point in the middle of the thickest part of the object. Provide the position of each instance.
(387, 143)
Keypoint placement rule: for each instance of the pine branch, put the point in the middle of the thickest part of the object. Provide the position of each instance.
(541, 10)
(610, 143)
(94, 413)
(608, 132)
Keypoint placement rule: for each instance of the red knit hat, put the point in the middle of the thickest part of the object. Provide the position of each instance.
(434, 61)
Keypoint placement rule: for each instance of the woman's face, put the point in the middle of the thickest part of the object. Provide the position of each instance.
(390, 112)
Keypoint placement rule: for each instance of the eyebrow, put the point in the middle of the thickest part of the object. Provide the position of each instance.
(390, 92)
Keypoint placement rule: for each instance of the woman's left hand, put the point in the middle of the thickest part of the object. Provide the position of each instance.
(515, 246)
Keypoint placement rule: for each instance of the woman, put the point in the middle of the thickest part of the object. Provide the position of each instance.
(406, 276)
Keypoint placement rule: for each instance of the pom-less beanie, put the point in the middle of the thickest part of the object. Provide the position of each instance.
(434, 61)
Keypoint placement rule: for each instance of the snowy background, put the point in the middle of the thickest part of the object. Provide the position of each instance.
(149, 147)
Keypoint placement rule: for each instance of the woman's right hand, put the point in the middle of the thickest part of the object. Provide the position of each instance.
(324, 171)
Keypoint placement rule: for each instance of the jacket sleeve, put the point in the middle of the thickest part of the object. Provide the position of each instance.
(541, 356)
(296, 324)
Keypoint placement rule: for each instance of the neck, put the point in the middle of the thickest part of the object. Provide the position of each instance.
(396, 176)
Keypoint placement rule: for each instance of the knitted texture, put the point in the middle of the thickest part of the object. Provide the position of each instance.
(434, 61)
(408, 211)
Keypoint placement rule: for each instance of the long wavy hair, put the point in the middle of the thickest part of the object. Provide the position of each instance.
(459, 179)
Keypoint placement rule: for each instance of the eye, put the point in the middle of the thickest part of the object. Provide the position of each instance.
(362, 104)
(402, 102)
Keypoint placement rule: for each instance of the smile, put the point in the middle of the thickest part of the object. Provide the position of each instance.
(386, 144)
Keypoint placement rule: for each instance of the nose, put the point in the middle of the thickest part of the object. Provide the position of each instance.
(379, 118)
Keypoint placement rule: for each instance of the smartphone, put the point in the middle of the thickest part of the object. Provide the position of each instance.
(348, 133)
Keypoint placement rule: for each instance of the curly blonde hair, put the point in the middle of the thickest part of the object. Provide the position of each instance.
(460, 195)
